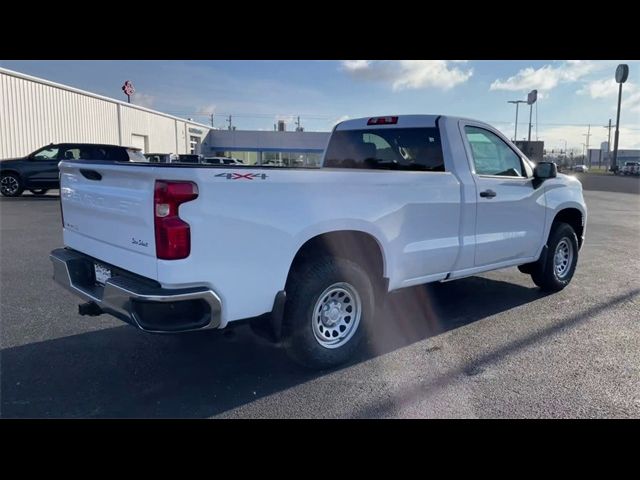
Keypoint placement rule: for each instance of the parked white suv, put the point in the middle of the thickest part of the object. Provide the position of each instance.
(630, 168)
(307, 253)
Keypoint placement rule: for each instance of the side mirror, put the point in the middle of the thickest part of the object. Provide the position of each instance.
(544, 171)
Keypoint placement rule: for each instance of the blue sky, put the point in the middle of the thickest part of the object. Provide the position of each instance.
(257, 93)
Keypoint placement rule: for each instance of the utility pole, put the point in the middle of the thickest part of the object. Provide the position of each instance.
(609, 141)
(212, 119)
(588, 134)
(298, 124)
(229, 120)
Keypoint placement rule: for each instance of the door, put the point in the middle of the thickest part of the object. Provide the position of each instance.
(510, 212)
(42, 168)
(139, 141)
(194, 145)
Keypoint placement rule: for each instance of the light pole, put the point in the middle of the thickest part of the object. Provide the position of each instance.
(531, 99)
(517, 102)
(622, 73)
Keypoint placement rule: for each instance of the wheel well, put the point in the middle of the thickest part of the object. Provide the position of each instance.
(356, 246)
(13, 172)
(573, 217)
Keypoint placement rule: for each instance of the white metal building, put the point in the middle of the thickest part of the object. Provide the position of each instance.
(35, 112)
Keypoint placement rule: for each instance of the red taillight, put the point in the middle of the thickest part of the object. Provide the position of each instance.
(383, 121)
(173, 235)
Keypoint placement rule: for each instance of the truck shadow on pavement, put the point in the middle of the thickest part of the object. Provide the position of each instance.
(121, 372)
(32, 198)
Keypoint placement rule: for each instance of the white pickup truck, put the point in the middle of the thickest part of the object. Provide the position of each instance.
(306, 253)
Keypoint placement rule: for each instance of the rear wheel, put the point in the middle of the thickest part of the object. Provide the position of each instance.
(39, 191)
(556, 270)
(329, 301)
(11, 185)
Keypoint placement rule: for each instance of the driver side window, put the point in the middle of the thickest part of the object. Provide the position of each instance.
(47, 154)
(491, 155)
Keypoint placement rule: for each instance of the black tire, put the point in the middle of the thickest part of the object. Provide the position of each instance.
(39, 191)
(544, 274)
(11, 185)
(304, 290)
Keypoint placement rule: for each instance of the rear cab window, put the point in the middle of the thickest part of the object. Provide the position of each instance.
(410, 149)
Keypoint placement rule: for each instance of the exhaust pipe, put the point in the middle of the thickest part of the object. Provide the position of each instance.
(90, 308)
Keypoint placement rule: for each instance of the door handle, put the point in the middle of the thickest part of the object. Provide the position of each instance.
(91, 174)
(488, 194)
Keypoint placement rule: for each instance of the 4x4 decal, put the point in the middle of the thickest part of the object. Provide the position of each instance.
(242, 176)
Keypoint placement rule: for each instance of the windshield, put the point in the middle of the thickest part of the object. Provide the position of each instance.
(46, 153)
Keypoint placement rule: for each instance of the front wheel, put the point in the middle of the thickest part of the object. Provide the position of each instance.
(329, 301)
(559, 265)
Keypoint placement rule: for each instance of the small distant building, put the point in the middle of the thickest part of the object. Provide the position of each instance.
(264, 147)
(534, 150)
(595, 157)
(628, 156)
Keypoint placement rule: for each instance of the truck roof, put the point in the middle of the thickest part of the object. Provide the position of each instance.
(406, 121)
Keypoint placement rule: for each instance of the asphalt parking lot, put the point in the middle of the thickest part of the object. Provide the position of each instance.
(490, 345)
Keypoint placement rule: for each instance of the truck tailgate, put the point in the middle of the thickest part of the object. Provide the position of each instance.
(107, 213)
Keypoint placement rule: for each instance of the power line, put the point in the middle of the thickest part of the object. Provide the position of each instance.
(327, 117)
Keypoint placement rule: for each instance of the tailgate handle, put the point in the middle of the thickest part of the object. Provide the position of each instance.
(91, 174)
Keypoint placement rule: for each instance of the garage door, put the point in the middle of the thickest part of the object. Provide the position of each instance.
(139, 141)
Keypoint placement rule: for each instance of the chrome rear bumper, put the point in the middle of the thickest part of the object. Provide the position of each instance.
(135, 300)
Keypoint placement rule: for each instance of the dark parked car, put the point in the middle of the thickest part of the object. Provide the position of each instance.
(38, 171)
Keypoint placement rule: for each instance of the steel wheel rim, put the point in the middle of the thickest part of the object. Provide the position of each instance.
(562, 258)
(336, 315)
(9, 185)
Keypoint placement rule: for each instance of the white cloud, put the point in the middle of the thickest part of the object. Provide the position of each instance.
(143, 100)
(410, 74)
(353, 65)
(608, 88)
(632, 101)
(208, 109)
(546, 77)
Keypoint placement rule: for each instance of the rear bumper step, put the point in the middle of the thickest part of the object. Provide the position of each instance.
(140, 302)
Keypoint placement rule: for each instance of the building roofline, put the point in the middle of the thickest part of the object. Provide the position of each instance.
(61, 86)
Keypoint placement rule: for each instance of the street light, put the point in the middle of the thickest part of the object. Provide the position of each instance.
(531, 99)
(622, 73)
(517, 102)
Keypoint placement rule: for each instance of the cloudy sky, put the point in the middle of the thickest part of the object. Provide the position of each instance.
(572, 93)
